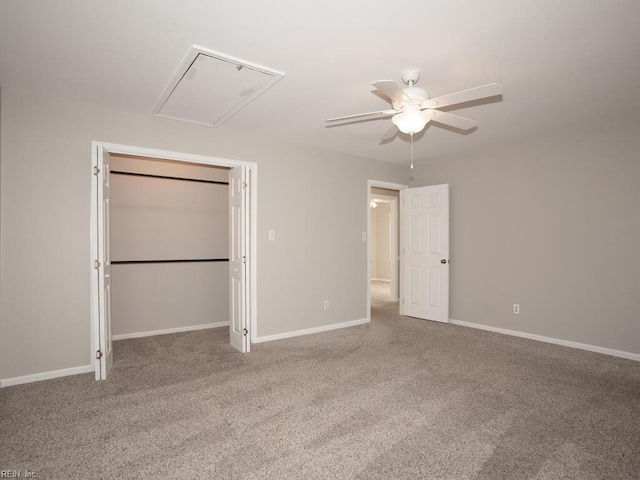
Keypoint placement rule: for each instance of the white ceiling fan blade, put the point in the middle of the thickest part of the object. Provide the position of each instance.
(391, 90)
(453, 120)
(389, 134)
(380, 113)
(477, 93)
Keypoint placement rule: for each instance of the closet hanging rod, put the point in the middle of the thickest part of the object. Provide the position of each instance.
(187, 260)
(134, 174)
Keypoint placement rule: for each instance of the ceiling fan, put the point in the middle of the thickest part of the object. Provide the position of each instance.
(413, 107)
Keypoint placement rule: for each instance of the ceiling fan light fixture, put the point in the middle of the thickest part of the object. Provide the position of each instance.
(410, 121)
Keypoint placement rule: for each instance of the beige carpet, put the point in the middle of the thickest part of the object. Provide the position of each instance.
(397, 399)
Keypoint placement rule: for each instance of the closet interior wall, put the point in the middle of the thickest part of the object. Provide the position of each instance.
(160, 219)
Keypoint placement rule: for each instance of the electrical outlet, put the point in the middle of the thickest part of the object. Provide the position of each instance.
(325, 305)
(516, 308)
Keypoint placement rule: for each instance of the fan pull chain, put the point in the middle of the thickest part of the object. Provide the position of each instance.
(412, 151)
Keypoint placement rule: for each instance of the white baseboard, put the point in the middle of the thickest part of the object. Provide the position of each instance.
(380, 280)
(555, 341)
(36, 377)
(204, 326)
(309, 331)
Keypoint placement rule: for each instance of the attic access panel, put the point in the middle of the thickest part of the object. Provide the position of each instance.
(209, 87)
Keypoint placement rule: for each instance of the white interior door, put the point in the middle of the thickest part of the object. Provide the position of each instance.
(425, 252)
(103, 265)
(238, 258)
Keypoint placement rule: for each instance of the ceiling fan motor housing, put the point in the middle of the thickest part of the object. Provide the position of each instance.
(416, 94)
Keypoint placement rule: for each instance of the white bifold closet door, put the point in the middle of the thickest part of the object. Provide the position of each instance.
(104, 354)
(238, 253)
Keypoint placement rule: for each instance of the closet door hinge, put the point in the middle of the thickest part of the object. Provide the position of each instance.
(244, 185)
(244, 259)
(96, 170)
(98, 355)
(96, 264)
(245, 332)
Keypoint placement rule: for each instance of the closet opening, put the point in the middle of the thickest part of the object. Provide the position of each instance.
(172, 247)
(169, 246)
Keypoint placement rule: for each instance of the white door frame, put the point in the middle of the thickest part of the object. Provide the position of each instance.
(390, 186)
(96, 162)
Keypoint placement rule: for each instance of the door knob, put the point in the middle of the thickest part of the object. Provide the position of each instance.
(443, 261)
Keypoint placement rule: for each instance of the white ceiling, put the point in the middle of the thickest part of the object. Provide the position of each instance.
(565, 65)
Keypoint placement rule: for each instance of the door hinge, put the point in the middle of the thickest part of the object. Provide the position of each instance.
(244, 185)
(98, 354)
(244, 259)
(245, 332)
(96, 264)
(96, 170)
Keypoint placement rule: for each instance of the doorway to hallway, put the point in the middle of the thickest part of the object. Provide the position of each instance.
(384, 245)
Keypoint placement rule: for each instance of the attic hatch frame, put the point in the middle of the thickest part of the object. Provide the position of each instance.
(190, 58)
(98, 149)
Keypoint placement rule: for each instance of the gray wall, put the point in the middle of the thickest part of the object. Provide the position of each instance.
(0, 218)
(46, 172)
(162, 219)
(552, 225)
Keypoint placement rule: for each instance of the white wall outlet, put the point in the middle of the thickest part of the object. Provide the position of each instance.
(516, 308)
(364, 236)
(325, 304)
(272, 235)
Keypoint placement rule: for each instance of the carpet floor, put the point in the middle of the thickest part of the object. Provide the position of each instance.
(399, 398)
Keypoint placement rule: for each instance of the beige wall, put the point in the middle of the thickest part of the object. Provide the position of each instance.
(383, 264)
(384, 191)
(152, 297)
(377, 191)
(153, 218)
(46, 172)
(552, 225)
(162, 219)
